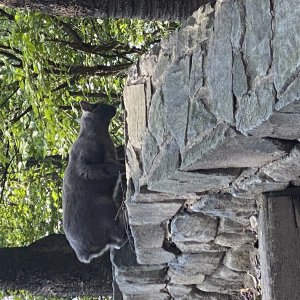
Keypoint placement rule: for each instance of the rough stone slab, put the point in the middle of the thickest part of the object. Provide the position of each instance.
(211, 296)
(292, 108)
(148, 61)
(153, 256)
(165, 163)
(151, 213)
(219, 65)
(141, 289)
(229, 226)
(255, 108)
(225, 205)
(193, 227)
(238, 259)
(164, 175)
(183, 183)
(156, 296)
(251, 183)
(128, 270)
(201, 122)
(163, 62)
(227, 274)
(194, 247)
(191, 268)
(187, 38)
(235, 239)
(272, 177)
(204, 19)
(280, 125)
(196, 73)
(135, 106)
(133, 170)
(148, 236)
(286, 59)
(149, 151)
(175, 93)
(124, 259)
(179, 290)
(291, 93)
(251, 281)
(222, 148)
(257, 37)
(219, 285)
(286, 169)
(195, 151)
(157, 117)
(239, 78)
(146, 196)
(141, 275)
(180, 278)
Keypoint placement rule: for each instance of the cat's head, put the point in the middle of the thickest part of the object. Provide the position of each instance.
(96, 114)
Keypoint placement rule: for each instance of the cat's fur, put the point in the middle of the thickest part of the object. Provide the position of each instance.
(89, 213)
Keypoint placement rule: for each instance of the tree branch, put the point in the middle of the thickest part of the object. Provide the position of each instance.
(5, 173)
(92, 95)
(17, 118)
(11, 95)
(12, 56)
(7, 15)
(9, 48)
(68, 29)
(65, 84)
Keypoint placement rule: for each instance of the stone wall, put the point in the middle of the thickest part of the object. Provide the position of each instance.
(210, 122)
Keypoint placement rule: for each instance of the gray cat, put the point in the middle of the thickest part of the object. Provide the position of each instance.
(89, 212)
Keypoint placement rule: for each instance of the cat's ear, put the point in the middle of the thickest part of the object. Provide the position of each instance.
(86, 106)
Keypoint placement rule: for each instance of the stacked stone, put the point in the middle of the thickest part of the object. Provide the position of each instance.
(210, 120)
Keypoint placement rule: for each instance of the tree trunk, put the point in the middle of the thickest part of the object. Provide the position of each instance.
(139, 9)
(49, 267)
(280, 245)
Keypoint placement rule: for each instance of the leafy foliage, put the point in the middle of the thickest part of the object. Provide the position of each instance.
(47, 65)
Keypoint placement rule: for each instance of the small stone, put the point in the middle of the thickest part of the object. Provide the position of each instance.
(238, 259)
(155, 296)
(178, 290)
(225, 205)
(254, 222)
(192, 268)
(148, 236)
(228, 226)
(212, 296)
(141, 289)
(219, 285)
(194, 227)
(151, 213)
(195, 247)
(153, 256)
(227, 274)
(235, 239)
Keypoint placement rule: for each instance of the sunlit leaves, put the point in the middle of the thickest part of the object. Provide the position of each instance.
(47, 65)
